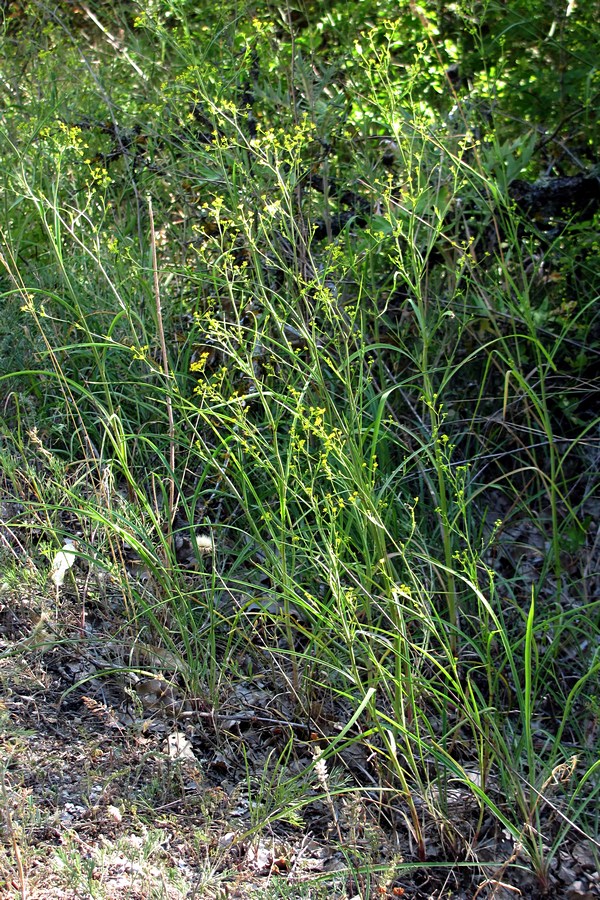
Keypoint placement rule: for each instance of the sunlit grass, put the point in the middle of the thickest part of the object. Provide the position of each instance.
(352, 424)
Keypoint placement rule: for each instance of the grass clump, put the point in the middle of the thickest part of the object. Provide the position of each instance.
(308, 382)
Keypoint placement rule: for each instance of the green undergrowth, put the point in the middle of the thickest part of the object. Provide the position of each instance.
(281, 297)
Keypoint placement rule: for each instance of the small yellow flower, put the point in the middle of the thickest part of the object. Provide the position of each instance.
(198, 365)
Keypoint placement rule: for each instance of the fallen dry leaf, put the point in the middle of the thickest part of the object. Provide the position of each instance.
(62, 562)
